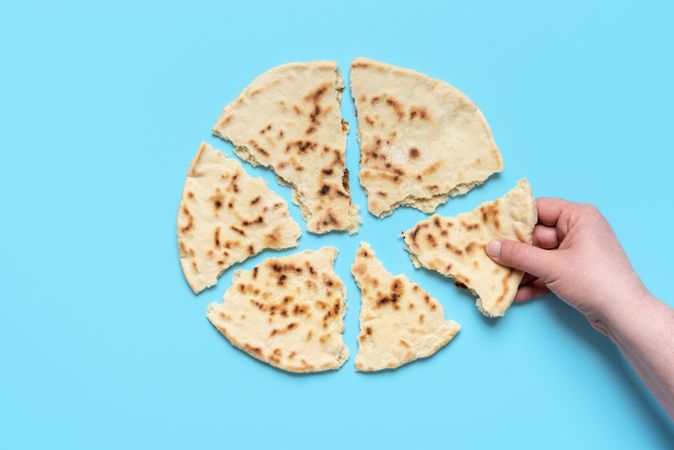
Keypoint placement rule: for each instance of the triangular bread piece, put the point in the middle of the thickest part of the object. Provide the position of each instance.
(288, 312)
(454, 246)
(288, 119)
(225, 217)
(421, 139)
(399, 321)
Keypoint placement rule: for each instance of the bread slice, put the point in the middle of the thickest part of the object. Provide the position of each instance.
(288, 312)
(454, 246)
(421, 139)
(225, 217)
(399, 321)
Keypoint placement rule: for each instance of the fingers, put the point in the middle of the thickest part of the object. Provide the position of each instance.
(531, 291)
(545, 237)
(528, 258)
(549, 210)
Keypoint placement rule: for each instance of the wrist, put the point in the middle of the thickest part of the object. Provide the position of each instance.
(625, 309)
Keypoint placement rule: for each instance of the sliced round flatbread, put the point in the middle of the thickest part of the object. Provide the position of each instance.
(399, 321)
(289, 119)
(288, 312)
(421, 140)
(454, 246)
(225, 217)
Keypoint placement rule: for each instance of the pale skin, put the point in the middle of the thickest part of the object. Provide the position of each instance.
(577, 257)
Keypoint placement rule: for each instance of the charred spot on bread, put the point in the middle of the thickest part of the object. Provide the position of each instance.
(345, 179)
(257, 351)
(504, 285)
(414, 233)
(418, 112)
(237, 230)
(470, 247)
(190, 220)
(316, 95)
(470, 226)
(453, 249)
(330, 219)
(315, 113)
(301, 146)
(396, 106)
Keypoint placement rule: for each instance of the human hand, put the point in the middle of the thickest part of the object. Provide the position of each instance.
(575, 255)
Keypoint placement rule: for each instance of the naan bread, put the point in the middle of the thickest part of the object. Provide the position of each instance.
(288, 312)
(225, 217)
(399, 321)
(421, 140)
(454, 246)
(289, 119)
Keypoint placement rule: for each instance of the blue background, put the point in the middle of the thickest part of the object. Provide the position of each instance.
(102, 107)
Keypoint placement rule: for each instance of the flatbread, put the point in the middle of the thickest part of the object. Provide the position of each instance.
(288, 312)
(288, 119)
(225, 217)
(454, 246)
(399, 321)
(421, 140)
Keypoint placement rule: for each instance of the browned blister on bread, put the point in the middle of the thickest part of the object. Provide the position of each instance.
(455, 246)
(288, 119)
(399, 321)
(226, 216)
(421, 140)
(288, 312)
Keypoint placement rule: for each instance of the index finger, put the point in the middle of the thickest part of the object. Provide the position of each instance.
(549, 210)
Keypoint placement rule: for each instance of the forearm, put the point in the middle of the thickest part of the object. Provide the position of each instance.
(644, 332)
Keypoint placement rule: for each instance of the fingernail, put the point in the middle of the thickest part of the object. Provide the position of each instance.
(493, 248)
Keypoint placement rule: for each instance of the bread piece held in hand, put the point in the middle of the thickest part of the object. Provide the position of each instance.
(421, 139)
(288, 119)
(288, 312)
(454, 246)
(225, 217)
(399, 321)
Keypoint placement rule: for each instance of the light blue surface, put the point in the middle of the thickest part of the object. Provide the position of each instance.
(103, 345)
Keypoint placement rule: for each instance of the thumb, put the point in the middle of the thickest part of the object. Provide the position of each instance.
(528, 258)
